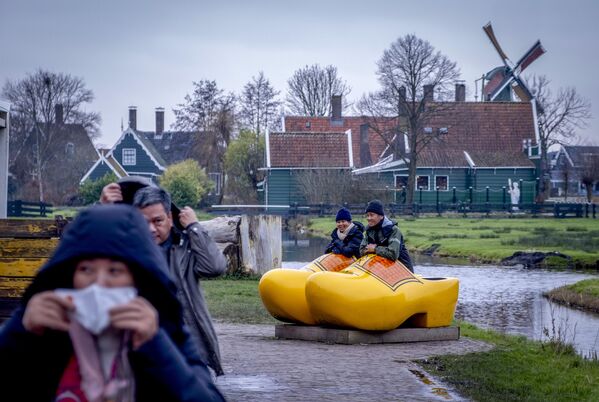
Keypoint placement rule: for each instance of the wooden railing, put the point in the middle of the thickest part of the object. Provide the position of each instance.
(20, 208)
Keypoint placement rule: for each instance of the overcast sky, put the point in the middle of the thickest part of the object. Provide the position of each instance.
(147, 53)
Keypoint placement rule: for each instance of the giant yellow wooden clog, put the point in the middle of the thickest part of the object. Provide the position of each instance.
(378, 294)
(283, 290)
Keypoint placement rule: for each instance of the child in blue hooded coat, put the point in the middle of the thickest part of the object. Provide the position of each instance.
(107, 246)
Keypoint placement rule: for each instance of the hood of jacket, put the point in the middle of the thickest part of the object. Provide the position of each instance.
(115, 231)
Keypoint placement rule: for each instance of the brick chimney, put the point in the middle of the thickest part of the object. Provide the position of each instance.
(133, 117)
(159, 122)
(336, 106)
(58, 113)
(460, 92)
(429, 93)
(365, 158)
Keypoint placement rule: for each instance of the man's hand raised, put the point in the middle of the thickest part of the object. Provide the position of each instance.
(111, 193)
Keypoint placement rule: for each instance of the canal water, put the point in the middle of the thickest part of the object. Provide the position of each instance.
(506, 299)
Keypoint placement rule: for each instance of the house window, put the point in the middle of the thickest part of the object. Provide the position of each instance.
(401, 182)
(129, 157)
(441, 183)
(422, 183)
(217, 180)
(70, 149)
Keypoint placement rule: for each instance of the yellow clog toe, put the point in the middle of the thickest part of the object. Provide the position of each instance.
(283, 290)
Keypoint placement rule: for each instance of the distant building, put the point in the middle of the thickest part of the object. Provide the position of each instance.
(568, 165)
(68, 155)
(149, 153)
(479, 145)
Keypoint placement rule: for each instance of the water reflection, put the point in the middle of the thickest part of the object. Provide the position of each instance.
(506, 299)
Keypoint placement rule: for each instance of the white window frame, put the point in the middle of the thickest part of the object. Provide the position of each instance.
(395, 180)
(442, 175)
(130, 159)
(428, 181)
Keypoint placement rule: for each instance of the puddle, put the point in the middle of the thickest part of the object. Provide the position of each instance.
(254, 383)
(438, 391)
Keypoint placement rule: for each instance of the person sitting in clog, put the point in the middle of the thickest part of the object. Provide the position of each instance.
(347, 237)
(383, 237)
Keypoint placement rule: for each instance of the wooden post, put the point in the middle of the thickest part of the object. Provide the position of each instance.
(4, 134)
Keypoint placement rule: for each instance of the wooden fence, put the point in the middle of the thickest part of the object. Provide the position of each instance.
(557, 210)
(20, 208)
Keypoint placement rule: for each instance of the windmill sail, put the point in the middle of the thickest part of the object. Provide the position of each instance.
(489, 31)
(503, 82)
(533, 53)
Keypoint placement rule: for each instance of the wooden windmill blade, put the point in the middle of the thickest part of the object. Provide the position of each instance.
(521, 90)
(489, 31)
(536, 51)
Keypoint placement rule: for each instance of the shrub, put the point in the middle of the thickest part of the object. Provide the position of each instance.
(90, 190)
(187, 182)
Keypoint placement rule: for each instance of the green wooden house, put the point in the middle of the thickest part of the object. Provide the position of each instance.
(149, 153)
(132, 155)
(478, 148)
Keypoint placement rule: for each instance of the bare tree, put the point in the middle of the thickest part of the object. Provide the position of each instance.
(310, 90)
(34, 102)
(559, 115)
(589, 174)
(409, 71)
(338, 187)
(259, 105)
(211, 113)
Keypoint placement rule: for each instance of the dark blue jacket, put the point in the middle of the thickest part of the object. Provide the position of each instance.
(166, 368)
(350, 246)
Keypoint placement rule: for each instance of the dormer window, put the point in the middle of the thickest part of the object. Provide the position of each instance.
(129, 157)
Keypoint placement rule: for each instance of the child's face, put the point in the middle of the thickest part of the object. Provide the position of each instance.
(102, 271)
(342, 225)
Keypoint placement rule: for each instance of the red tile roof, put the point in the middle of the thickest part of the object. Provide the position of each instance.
(326, 124)
(491, 133)
(309, 150)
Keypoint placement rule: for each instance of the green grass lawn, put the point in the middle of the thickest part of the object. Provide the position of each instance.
(492, 239)
(71, 212)
(518, 369)
(236, 301)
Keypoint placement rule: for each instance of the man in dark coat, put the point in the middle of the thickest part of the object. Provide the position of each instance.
(191, 255)
(36, 351)
(347, 236)
(383, 237)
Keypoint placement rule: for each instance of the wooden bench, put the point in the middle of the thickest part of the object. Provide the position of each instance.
(25, 244)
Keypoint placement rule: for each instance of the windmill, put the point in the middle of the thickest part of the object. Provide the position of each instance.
(502, 81)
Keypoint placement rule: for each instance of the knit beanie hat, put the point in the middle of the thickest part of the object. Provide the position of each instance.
(375, 206)
(343, 215)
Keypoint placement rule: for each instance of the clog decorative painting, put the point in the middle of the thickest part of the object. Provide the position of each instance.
(391, 273)
(329, 262)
